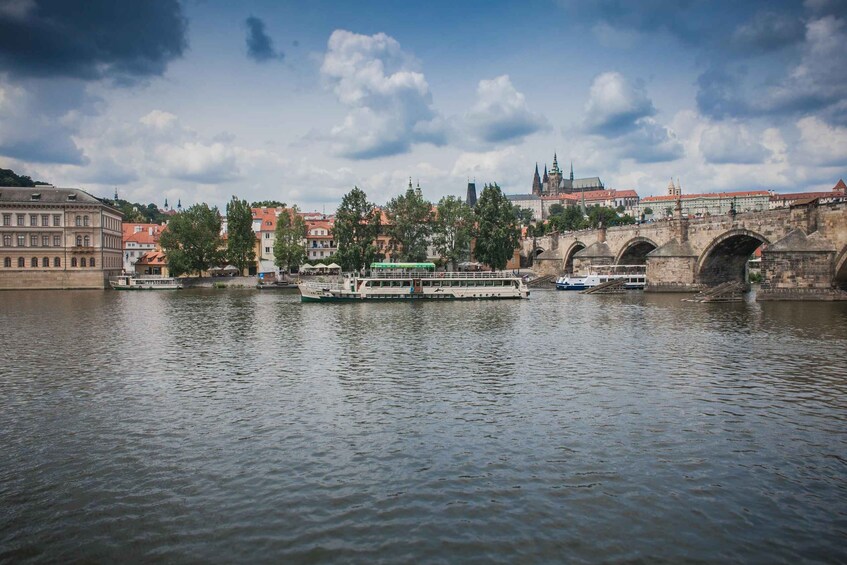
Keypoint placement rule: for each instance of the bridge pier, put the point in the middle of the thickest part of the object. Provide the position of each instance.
(799, 267)
(672, 268)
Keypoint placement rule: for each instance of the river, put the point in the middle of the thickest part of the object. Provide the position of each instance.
(238, 425)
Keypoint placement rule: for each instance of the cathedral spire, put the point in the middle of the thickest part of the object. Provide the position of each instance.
(571, 171)
(555, 168)
(546, 178)
(536, 182)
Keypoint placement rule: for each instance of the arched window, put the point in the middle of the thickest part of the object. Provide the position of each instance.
(82, 262)
(73, 261)
(7, 262)
(79, 220)
(78, 240)
(85, 220)
(33, 262)
(7, 240)
(45, 262)
(21, 262)
(91, 262)
(87, 241)
(57, 262)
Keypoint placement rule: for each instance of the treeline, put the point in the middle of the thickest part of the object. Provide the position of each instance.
(572, 218)
(9, 178)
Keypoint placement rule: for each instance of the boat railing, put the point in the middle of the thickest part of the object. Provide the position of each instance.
(406, 274)
(328, 285)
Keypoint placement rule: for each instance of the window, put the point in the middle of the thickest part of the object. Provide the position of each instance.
(73, 261)
(85, 220)
(45, 262)
(82, 262)
(20, 219)
(45, 241)
(33, 262)
(57, 220)
(79, 221)
(267, 249)
(57, 241)
(91, 262)
(7, 262)
(267, 235)
(21, 262)
(79, 241)
(87, 241)
(57, 262)
(7, 240)
(7, 219)
(45, 220)
(21, 240)
(33, 220)
(33, 241)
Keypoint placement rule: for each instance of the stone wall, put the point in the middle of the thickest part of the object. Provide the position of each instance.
(13, 279)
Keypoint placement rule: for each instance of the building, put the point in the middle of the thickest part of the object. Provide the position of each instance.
(264, 226)
(710, 204)
(151, 263)
(784, 200)
(138, 239)
(320, 243)
(555, 182)
(54, 238)
(541, 205)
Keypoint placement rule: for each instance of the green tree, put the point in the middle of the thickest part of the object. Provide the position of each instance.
(241, 239)
(648, 211)
(357, 225)
(453, 229)
(557, 210)
(267, 204)
(289, 245)
(192, 243)
(497, 233)
(522, 215)
(410, 217)
(9, 178)
(571, 219)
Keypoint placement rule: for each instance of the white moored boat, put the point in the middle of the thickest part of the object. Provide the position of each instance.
(127, 282)
(634, 275)
(415, 281)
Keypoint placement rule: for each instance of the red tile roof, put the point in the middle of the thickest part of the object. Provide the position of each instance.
(155, 258)
(143, 236)
(840, 186)
(671, 198)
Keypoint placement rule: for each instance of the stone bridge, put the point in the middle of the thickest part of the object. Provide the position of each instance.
(804, 251)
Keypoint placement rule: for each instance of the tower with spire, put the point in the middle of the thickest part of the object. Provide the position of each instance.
(536, 183)
(470, 199)
(555, 182)
(674, 190)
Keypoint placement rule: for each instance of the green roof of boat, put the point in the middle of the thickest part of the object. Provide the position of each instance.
(402, 265)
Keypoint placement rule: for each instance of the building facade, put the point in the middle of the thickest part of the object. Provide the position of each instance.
(711, 204)
(555, 182)
(55, 238)
(138, 239)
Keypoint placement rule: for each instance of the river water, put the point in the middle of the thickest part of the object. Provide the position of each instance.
(238, 425)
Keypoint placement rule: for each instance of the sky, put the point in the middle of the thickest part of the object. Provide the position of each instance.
(201, 100)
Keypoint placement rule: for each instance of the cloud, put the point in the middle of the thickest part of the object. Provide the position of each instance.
(768, 31)
(822, 144)
(501, 114)
(123, 41)
(731, 142)
(198, 162)
(390, 105)
(615, 105)
(260, 46)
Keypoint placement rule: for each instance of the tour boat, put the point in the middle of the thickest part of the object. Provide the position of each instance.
(415, 281)
(128, 282)
(635, 276)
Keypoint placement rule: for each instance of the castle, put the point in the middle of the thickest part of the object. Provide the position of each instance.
(555, 183)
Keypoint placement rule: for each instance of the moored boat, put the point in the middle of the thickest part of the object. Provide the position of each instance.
(415, 281)
(634, 275)
(128, 282)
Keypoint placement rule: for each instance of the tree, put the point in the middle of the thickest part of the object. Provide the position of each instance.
(9, 178)
(497, 234)
(410, 217)
(648, 211)
(453, 229)
(267, 204)
(357, 225)
(571, 219)
(192, 243)
(522, 215)
(241, 239)
(289, 247)
(557, 210)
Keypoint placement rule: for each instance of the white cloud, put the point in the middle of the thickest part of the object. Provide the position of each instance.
(731, 142)
(158, 119)
(614, 105)
(822, 144)
(390, 105)
(501, 113)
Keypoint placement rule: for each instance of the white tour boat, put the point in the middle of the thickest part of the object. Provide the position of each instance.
(635, 276)
(128, 282)
(415, 281)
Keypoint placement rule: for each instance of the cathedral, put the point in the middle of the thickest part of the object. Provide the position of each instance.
(555, 182)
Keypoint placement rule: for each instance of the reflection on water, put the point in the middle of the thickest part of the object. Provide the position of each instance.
(244, 425)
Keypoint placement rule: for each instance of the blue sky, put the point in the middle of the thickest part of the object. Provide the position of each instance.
(200, 100)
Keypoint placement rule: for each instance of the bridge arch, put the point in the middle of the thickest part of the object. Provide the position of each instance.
(538, 251)
(575, 248)
(725, 259)
(634, 251)
(840, 273)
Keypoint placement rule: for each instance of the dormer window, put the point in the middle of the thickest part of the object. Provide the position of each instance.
(71, 197)
(36, 196)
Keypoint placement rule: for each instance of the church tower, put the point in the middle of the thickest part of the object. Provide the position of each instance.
(674, 190)
(470, 199)
(555, 177)
(536, 183)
